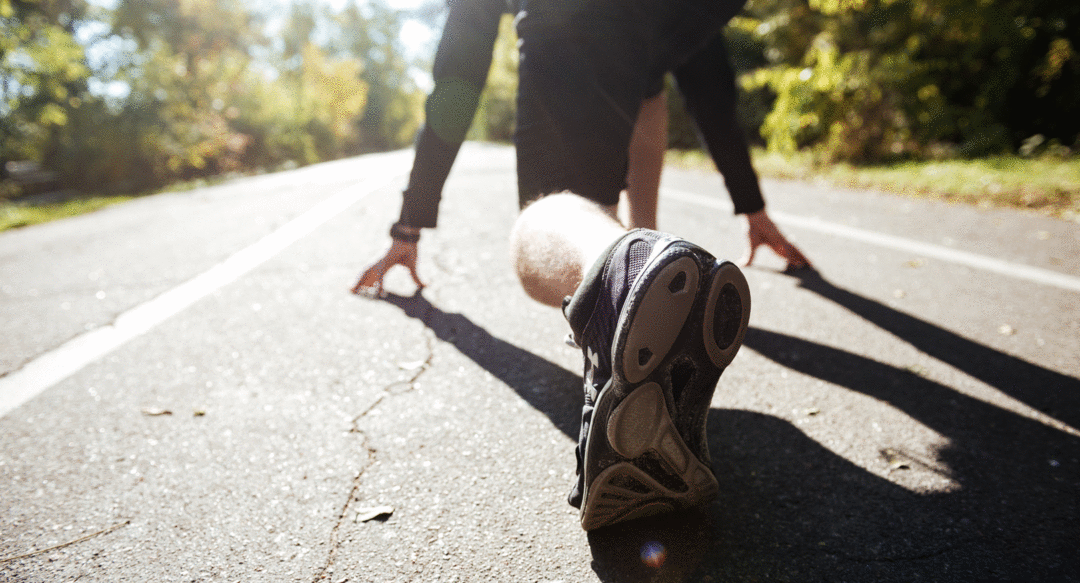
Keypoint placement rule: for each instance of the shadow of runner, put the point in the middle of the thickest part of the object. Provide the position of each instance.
(546, 386)
(790, 509)
(556, 392)
(1048, 391)
(669, 547)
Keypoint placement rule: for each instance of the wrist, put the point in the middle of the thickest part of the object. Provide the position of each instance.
(404, 233)
(756, 217)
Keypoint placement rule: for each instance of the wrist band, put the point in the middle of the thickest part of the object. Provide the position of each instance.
(400, 232)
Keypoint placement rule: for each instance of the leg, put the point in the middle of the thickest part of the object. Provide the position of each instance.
(575, 118)
(647, 148)
(555, 240)
(574, 126)
(657, 318)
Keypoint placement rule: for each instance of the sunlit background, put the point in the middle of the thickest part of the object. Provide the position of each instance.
(417, 36)
(131, 96)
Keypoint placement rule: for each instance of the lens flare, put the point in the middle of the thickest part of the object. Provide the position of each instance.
(653, 554)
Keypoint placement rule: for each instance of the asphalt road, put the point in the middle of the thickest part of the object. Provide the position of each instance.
(190, 393)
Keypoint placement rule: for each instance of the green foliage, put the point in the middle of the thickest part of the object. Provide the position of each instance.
(197, 88)
(12, 216)
(369, 34)
(1048, 184)
(42, 73)
(306, 116)
(498, 103)
(875, 80)
(200, 87)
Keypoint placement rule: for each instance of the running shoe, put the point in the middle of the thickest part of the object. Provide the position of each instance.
(658, 319)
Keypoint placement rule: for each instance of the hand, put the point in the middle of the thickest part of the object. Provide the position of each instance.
(760, 230)
(399, 253)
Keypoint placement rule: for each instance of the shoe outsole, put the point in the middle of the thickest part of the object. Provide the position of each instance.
(636, 462)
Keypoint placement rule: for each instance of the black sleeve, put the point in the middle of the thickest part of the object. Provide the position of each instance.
(707, 85)
(460, 73)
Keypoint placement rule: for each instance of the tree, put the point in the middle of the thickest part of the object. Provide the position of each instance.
(370, 35)
(192, 62)
(873, 80)
(43, 76)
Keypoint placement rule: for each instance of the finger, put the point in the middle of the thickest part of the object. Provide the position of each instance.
(363, 288)
(748, 257)
(415, 276)
(797, 259)
(361, 283)
(791, 253)
(371, 277)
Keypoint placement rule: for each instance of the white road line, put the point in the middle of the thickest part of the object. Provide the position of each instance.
(928, 250)
(59, 363)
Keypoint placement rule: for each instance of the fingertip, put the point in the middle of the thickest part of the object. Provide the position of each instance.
(797, 258)
(748, 258)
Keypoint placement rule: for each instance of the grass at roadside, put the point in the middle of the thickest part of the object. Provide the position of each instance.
(22, 214)
(1047, 185)
(13, 215)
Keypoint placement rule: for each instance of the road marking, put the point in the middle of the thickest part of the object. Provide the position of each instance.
(50, 368)
(929, 250)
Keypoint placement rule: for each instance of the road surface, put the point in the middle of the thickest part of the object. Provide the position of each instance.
(190, 393)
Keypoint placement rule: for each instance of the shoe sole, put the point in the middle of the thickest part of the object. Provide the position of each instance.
(636, 462)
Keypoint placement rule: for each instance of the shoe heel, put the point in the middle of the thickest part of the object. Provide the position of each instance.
(727, 314)
(658, 318)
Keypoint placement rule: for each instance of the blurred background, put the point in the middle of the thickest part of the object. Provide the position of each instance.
(103, 98)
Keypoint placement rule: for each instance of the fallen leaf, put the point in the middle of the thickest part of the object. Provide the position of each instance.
(367, 514)
(155, 411)
(895, 460)
(916, 369)
(411, 365)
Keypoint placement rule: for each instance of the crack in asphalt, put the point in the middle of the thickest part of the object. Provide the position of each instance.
(386, 391)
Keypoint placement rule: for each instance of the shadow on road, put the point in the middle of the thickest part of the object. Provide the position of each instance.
(1048, 391)
(546, 386)
(792, 510)
(1011, 515)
